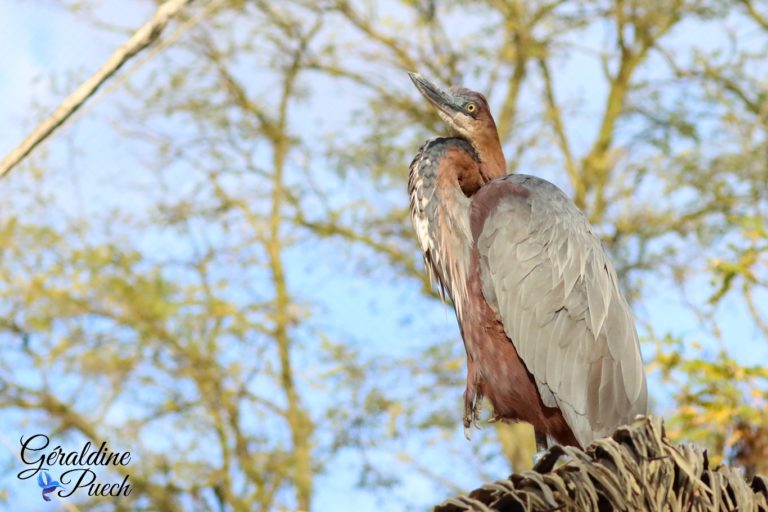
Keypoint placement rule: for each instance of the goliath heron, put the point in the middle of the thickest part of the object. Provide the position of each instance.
(549, 337)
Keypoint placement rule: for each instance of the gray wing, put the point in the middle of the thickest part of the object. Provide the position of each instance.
(548, 278)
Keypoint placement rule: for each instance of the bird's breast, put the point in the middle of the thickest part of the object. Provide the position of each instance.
(440, 211)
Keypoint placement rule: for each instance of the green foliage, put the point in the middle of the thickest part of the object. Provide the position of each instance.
(272, 144)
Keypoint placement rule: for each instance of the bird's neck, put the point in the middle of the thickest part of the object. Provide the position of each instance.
(491, 156)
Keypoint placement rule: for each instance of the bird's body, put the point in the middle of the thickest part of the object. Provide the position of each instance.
(549, 337)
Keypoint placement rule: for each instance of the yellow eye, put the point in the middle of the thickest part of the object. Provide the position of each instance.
(471, 107)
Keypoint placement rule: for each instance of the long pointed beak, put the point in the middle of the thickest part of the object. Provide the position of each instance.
(444, 101)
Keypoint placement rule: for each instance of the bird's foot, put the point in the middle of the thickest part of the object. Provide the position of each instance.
(471, 399)
(470, 420)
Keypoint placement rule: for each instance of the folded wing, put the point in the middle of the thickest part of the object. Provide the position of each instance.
(548, 278)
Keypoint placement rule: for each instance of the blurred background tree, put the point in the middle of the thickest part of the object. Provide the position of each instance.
(216, 270)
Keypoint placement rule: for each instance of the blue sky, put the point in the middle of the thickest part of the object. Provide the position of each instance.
(47, 41)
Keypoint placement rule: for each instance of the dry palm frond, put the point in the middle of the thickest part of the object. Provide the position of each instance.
(636, 469)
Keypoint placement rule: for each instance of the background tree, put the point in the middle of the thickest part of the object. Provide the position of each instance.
(217, 269)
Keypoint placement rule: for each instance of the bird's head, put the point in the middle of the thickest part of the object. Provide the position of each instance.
(465, 112)
(468, 115)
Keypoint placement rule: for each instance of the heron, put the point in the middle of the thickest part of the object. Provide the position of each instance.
(549, 337)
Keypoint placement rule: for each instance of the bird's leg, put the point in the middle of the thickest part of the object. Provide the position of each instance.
(542, 445)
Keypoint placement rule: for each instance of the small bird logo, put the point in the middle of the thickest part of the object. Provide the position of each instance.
(47, 484)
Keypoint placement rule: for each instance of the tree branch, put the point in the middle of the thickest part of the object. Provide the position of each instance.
(555, 117)
(635, 469)
(141, 39)
(759, 18)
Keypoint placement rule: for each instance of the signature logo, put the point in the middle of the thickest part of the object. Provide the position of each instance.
(47, 484)
(76, 470)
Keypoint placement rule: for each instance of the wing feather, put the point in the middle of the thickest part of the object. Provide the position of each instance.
(547, 277)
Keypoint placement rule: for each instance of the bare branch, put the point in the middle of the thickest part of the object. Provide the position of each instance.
(554, 115)
(752, 11)
(623, 472)
(141, 39)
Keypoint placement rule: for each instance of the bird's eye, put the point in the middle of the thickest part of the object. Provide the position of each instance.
(471, 107)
